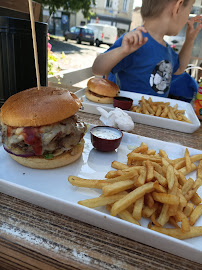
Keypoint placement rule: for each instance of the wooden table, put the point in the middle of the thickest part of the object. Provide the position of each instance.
(32, 237)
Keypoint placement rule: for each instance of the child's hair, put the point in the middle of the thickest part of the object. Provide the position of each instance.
(152, 8)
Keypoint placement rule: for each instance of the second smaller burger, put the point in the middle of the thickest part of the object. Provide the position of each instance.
(101, 90)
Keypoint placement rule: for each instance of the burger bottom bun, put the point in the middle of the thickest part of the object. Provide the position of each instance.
(98, 99)
(59, 161)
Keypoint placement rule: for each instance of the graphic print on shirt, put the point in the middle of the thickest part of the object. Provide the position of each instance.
(161, 77)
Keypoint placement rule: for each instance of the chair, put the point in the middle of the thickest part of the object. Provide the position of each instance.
(183, 87)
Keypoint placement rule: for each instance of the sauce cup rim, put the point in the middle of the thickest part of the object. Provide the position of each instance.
(121, 133)
(127, 99)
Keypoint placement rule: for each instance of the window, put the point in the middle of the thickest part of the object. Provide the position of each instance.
(72, 29)
(109, 3)
(125, 5)
(92, 5)
(77, 30)
(89, 31)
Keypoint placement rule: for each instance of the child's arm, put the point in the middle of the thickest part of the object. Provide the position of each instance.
(186, 51)
(132, 41)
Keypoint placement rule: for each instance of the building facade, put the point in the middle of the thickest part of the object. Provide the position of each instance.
(136, 18)
(112, 12)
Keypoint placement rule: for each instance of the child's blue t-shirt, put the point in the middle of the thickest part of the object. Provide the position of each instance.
(148, 70)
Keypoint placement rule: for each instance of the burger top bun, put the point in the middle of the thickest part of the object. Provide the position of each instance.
(35, 107)
(103, 87)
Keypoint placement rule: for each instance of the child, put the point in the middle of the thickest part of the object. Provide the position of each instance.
(141, 61)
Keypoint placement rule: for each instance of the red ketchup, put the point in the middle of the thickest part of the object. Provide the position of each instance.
(32, 137)
(9, 131)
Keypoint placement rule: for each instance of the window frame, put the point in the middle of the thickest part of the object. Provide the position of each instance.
(125, 5)
(110, 2)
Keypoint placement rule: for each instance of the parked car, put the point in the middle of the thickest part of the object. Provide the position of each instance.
(80, 33)
(176, 42)
(103, 33)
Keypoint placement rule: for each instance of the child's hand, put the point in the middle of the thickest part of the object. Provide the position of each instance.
(192, 32)
(133, 40)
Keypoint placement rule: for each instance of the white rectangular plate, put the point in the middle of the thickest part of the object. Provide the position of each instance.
(91, 107)
(51, 189)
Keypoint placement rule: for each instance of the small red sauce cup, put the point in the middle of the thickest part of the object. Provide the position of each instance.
(105, 138)
(123, 103)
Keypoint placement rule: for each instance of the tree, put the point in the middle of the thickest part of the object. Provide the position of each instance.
(68, 5)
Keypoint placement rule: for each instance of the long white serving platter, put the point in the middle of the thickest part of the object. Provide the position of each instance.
(91, 107)
(51, 189)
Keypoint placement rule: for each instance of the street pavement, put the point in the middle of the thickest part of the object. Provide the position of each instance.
(72, 56)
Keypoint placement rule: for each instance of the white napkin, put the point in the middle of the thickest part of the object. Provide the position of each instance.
(116, 118)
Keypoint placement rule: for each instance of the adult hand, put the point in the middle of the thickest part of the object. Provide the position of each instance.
(133, 40)
(192, 32)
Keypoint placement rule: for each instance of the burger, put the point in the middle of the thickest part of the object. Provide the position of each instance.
(40, 129)
(101, 90)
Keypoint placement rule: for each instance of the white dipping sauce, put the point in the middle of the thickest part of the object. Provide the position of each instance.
(106, 133)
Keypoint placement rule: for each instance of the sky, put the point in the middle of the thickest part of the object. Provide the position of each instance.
(137, 3)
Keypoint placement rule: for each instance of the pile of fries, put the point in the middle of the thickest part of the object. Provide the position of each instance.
(160, 109)
(151, 186)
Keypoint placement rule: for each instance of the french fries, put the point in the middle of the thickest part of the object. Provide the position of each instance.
(150, 185)
(170, 175)
(125, 215)
(117, 187)
(137, 210)
(101, 201)
(77, 181)
(160, 109)
(131, 198)
(178, 233)
(166, 198)
(142, 177)
(199, 170)
(197, 212)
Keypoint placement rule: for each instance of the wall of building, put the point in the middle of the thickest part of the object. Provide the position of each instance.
(136, 18)
(125, 13)
(114, 15)
(79, 19)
